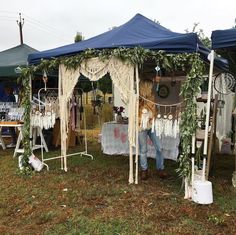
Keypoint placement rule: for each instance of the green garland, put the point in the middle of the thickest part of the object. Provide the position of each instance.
(188, 124)
(190, 63)
(25, 80)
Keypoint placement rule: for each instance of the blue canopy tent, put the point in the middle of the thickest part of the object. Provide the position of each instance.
(224, 42)
(137, 32)
(224, 39)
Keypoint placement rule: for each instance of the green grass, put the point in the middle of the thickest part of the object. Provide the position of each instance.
(94, 197)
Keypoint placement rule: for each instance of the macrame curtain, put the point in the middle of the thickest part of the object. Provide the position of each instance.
(122, 75)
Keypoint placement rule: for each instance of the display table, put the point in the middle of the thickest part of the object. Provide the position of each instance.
(20, 137)
(115, 142)
(11, 124)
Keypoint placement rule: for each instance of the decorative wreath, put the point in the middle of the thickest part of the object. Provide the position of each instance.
(163, 91)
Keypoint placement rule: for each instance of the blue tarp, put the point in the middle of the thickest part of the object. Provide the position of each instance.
(139, 31)
(224, 39)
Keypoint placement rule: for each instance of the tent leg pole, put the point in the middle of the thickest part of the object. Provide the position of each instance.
(136, 124)
(208, 110)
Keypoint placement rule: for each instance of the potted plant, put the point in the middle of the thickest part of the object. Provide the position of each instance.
(118, 111)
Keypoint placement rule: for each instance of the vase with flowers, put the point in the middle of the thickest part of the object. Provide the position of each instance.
(118, 113)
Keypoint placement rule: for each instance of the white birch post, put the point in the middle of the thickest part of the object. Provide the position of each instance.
(136, 124)
(208, 112)
(208, 102)
(131, 159)
(60, 102)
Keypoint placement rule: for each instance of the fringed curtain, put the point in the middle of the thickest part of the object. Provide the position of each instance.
(122, 75)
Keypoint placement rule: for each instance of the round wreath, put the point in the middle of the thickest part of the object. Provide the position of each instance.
(163, 91)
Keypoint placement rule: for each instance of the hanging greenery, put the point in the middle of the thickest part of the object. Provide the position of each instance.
(25, 80)
(190, 63)
(188, 125)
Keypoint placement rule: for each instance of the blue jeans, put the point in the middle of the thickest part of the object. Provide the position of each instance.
(142, 137)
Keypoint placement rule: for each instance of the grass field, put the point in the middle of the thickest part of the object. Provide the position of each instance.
(94, 197)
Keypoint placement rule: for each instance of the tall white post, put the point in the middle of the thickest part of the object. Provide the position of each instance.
(132, 119)
(136, 125)
(208, 102)
(193, 143)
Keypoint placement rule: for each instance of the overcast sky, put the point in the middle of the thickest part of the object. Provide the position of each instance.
(53, 23)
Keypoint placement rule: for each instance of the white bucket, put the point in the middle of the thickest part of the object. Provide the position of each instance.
(202, 192)
(35, 163)
(198, 175)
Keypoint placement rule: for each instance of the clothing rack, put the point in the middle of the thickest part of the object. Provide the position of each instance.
(53, 92)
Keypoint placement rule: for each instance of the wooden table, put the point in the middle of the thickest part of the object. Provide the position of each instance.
(11, 124)
(20, 137)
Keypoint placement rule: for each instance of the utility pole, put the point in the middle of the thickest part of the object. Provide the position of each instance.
(20, 24)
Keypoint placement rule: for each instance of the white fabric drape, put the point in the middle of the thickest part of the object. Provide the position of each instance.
(122, 75)
(224, 118)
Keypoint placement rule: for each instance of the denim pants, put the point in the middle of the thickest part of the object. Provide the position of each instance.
(142, 137)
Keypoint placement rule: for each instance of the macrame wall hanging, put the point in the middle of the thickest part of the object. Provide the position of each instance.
(122, 75)
(167, 120)
(166, 123)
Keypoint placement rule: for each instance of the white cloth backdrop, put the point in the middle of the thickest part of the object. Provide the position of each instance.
(122, 75)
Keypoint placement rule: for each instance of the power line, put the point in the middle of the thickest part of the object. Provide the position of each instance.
(36, 23)
(36, 27)
(11, 12)
(41, 24)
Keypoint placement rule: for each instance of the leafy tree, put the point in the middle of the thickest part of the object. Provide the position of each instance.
(86, 85)
(156, 21)
(78, 37)
(205, 40)
(105, 85)
(113, 27)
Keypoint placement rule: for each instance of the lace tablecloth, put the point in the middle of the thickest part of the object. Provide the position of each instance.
(115, 142)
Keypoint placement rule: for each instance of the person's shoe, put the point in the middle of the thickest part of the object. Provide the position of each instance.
(162, 174)
(144, 174)
(11, 145)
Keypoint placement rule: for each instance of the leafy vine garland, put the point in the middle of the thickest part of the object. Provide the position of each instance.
(190, 63)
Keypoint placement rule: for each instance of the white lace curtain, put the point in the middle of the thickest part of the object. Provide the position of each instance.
(122, 75)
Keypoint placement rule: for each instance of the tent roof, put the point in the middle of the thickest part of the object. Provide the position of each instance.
(224, 39)
(139, 31)
(11, 58)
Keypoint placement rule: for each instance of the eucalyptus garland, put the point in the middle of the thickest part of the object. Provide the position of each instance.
(25, 80)
(137, 55)
(188, 124)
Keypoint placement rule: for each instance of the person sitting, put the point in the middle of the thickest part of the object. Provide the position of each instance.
(148, 112)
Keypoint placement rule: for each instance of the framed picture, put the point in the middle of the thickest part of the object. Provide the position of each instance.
(163, 91)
